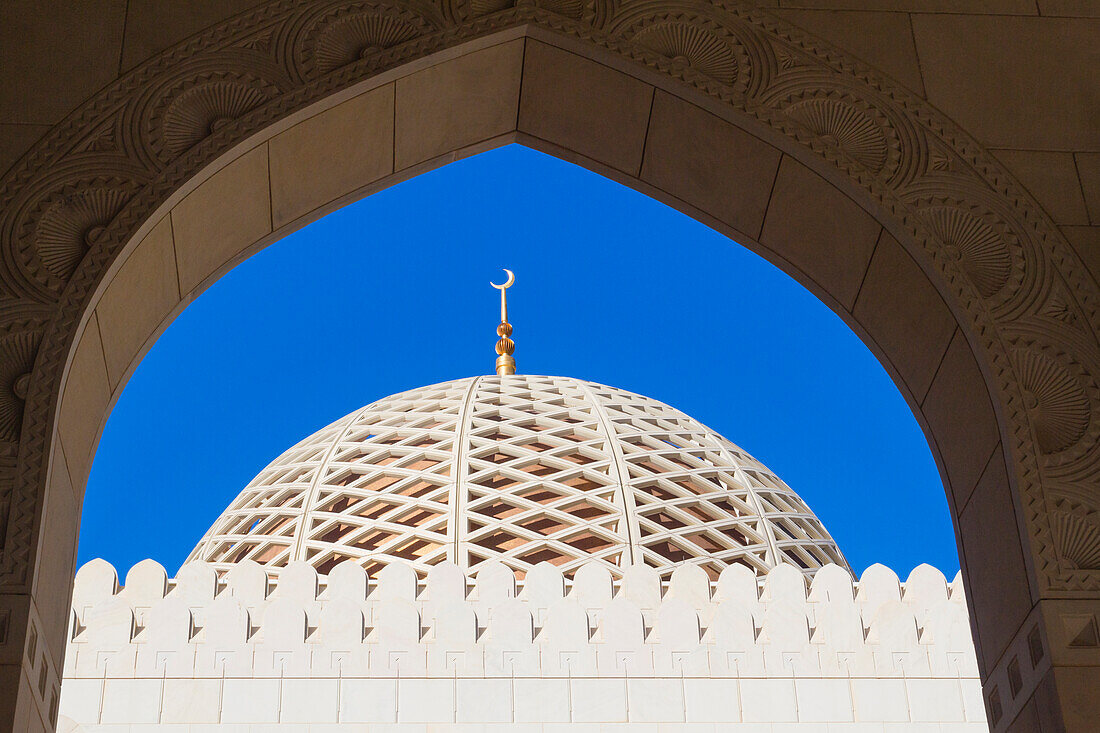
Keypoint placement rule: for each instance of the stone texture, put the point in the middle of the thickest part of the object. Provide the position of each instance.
(56, 54)
(823, 701)
(545, 700)
(820, 231)
(139, 298)
(584, 107)
(1020, 83)
(884, 700)
(997, 586)
(598, 701)
(771, 700)
(363, 700)
(131, 701)
(1077, 694)
(1086, 242)
(1088, 170)
(883, 40)
(1072, 8)
(222, 218)
(483, 701)
(153, 26)
(332, 154)
(425, 701)
(960, 416)
(16, 140)
(656, 701)
(457, 103)
(187, 701)
(712, 701)
(713, 165)
(1052, 179)
(309, 701)
(83, 404)
(57, 541)
(1009, 7)
(904, 314)
(250, 701)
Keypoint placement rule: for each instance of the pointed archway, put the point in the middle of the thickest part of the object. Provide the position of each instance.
(878, 204)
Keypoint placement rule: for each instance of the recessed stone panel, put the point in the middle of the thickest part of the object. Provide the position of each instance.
(882, 39)
(820, 231)
(56, 56)
(1088, 169)
(584, 107)
(998, 593)
(960, 414)
(904, 315)
(332, 154)
(154, 25)
(709, 163)
(1052, 178)
(223, 217)
(140, 296)
(56, 564)
(83, 404)
(1020, 83)
(16, 140)
(457, 103)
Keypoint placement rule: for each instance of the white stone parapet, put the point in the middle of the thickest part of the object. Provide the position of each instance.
(252, 648)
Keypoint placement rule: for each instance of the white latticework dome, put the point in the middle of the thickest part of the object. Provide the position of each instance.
(519, 469)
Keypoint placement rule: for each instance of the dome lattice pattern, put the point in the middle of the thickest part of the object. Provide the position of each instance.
(519, 469)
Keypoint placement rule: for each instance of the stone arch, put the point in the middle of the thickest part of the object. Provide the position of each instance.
(871, 198)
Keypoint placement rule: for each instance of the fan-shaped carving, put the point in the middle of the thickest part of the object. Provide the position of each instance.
(17, 352)
(692, 45)
(981, 251)
(203, 109)
(1057, 404)
(1076, 530)
(568, 8)
(71, 223)
(846, 126)
(485, 7)
(352, 37)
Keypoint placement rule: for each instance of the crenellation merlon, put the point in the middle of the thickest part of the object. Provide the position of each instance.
(256, 622)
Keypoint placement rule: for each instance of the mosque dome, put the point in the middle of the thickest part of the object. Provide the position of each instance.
(518, 469)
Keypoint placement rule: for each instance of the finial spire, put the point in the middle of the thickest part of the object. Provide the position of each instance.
(505, 346)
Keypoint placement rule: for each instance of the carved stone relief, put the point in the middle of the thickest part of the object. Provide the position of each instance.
(70, 205)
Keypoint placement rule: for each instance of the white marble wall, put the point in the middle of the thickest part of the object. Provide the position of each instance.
(303, 653)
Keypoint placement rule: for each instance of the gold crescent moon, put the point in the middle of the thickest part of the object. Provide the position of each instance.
(508, 284)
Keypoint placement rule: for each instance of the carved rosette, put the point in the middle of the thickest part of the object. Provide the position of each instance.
(71, 203)
(203, 105)
(20, 336)
(344, 34)
(1075, 526)
(850, 126)
(683, 40)
(1054, 397)
(60, 227)
(971, 240)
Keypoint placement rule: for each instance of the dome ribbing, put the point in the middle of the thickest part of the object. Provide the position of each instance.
(520, 469)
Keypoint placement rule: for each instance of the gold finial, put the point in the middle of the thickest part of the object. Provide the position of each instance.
(505, 346)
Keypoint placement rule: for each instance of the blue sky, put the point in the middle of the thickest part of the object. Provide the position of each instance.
(391, 293)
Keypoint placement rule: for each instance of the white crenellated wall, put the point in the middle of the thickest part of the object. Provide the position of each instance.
(252, 650)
